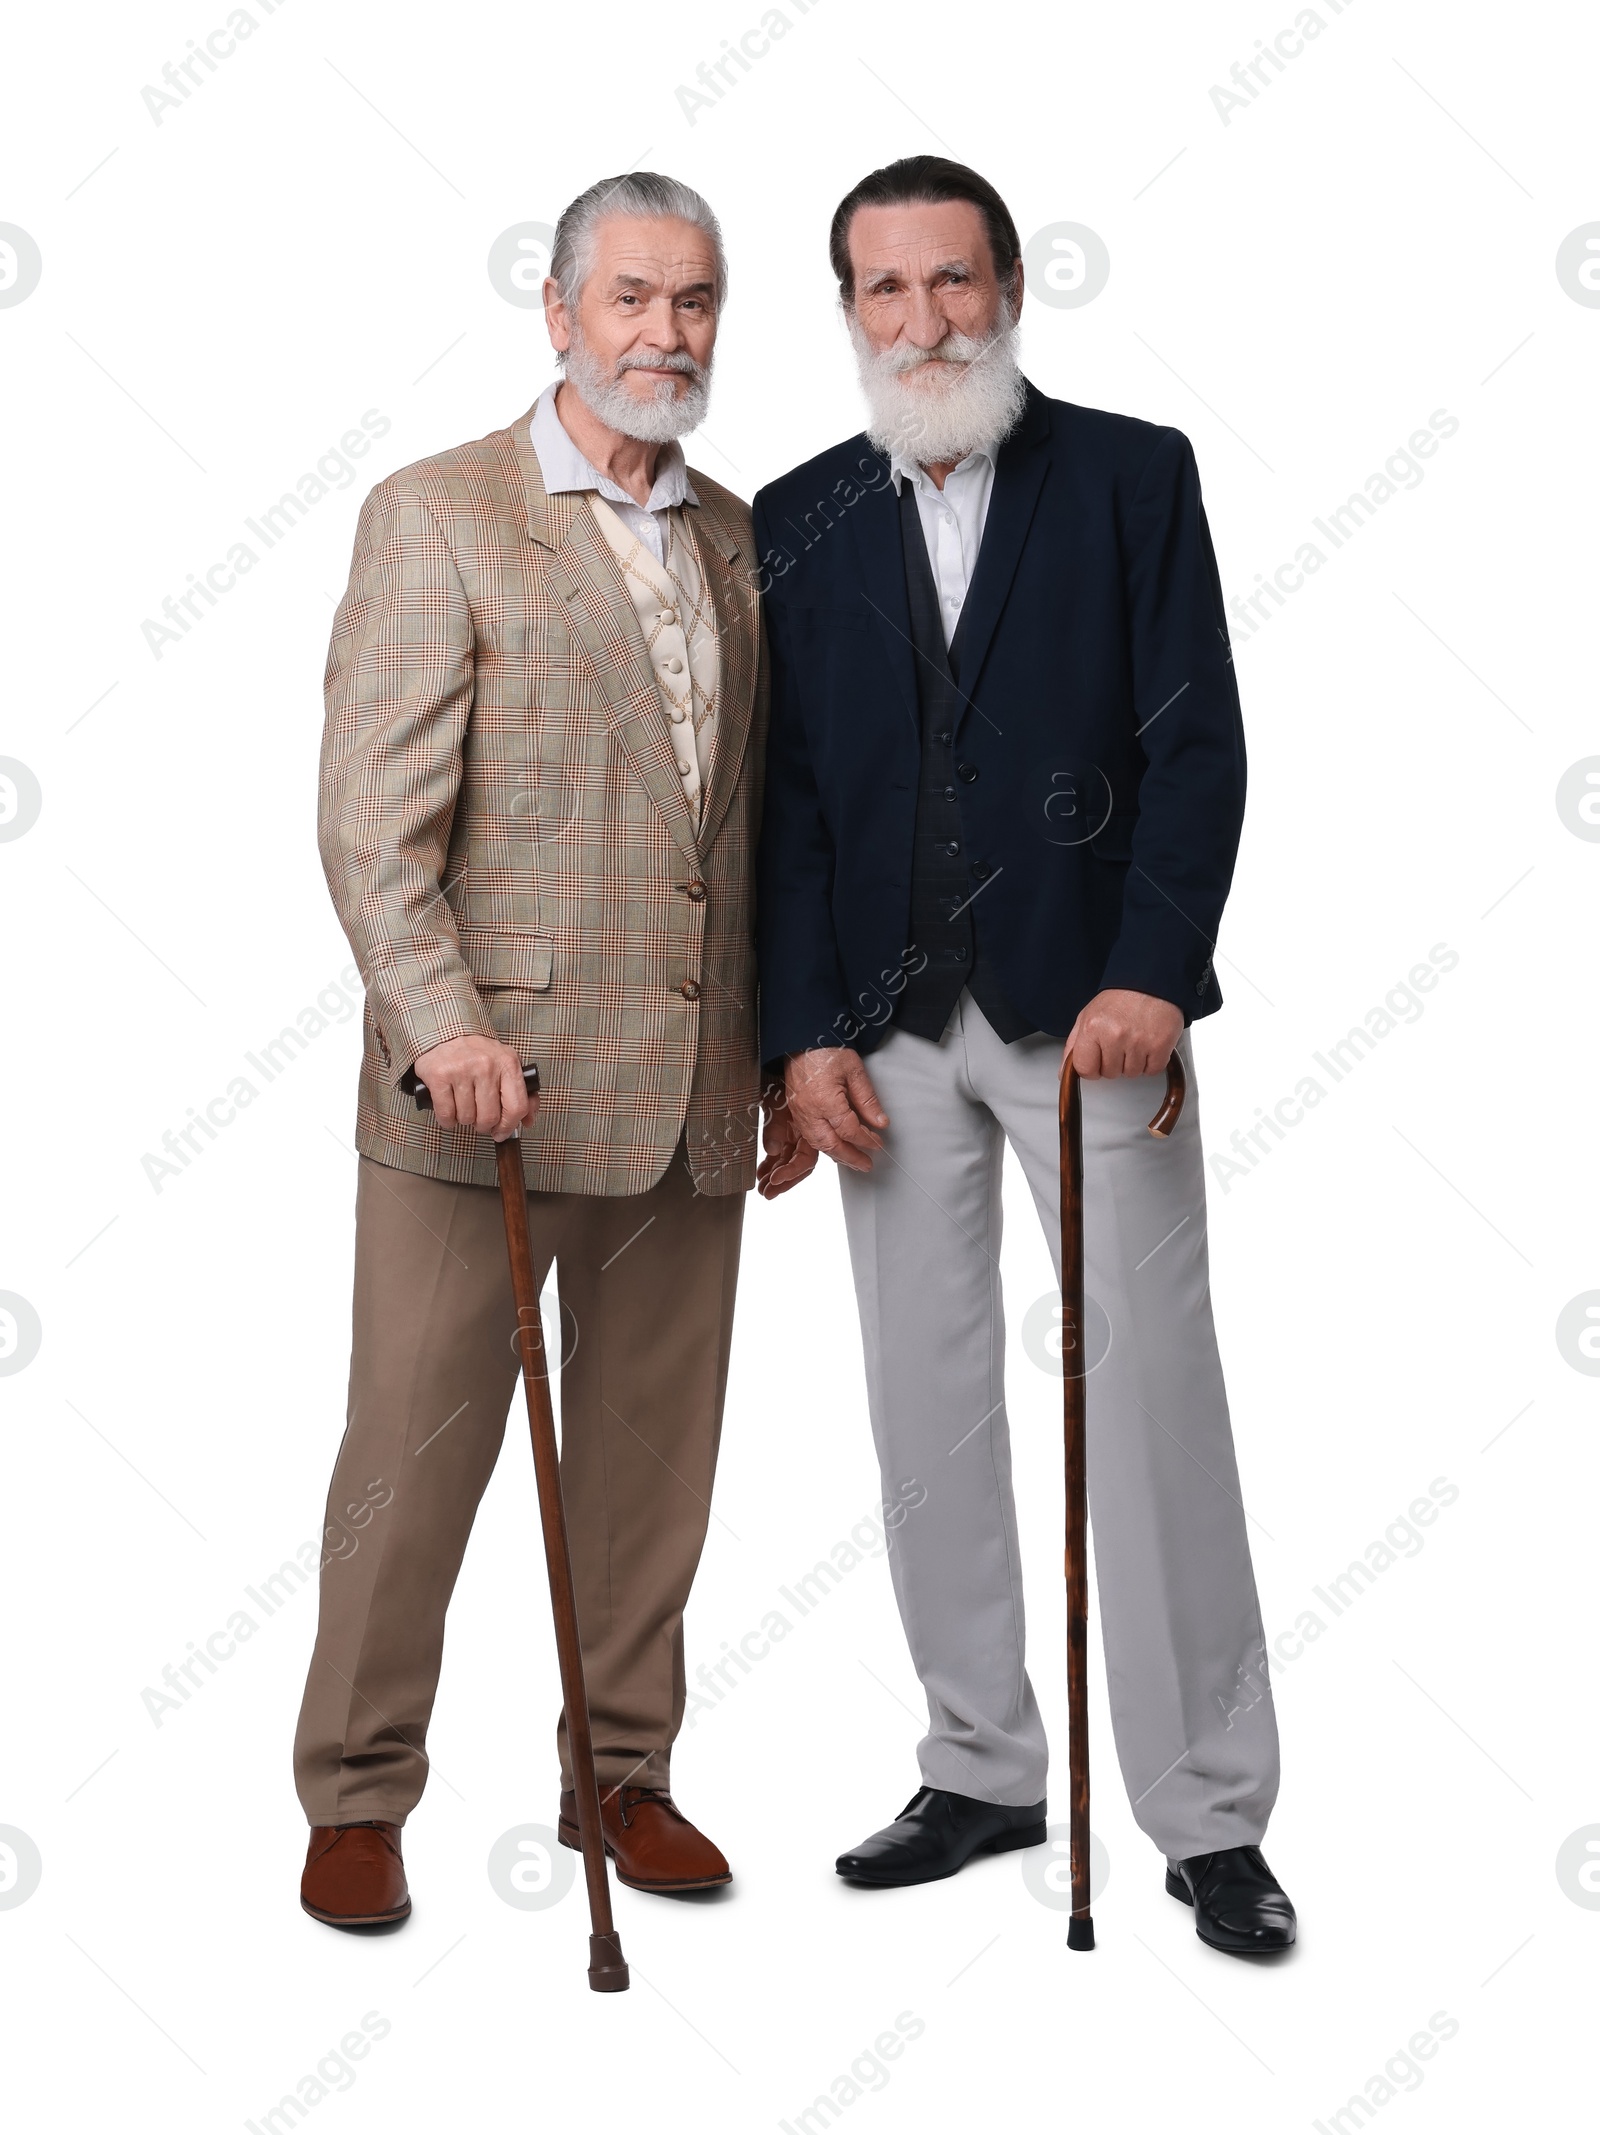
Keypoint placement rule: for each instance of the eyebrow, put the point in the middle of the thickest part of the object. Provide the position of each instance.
(643, 281)
(944, 266)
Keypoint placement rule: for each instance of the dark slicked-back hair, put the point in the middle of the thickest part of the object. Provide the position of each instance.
(925, 179)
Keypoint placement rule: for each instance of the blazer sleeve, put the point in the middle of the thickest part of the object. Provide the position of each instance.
(398, 692)
(803, 996)
(1186, 710)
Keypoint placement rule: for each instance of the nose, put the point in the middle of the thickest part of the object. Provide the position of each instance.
(661, 328)
(925, 324)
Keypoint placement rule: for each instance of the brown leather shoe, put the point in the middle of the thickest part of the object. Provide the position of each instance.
(654, 1845)
(354, 1876)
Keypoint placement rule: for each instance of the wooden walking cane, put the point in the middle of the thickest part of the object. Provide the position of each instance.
(1074, 1389)
(608, 1972)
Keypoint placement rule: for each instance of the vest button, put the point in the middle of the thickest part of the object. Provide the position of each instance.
(944, 737)
(953, 847)
(695, 891)
(690, 990)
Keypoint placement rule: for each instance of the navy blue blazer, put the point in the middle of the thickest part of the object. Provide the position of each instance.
(1099, 747)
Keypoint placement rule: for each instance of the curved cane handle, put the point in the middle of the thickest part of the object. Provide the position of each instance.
(1171, 1105)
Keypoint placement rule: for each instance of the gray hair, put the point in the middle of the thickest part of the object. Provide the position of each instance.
(640, 193)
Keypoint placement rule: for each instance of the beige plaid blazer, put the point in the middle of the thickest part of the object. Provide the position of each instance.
(506, 837)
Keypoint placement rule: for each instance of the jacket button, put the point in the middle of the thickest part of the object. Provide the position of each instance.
(967, 771)
(690, 990)
(980, 870)
(695, 891)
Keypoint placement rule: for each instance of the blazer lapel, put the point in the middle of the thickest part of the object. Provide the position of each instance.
(875, 521)
(583, 573)
(536, 505)
(728, 575)
(1020, 469)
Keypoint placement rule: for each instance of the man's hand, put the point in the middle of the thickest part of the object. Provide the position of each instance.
(834, 1105)
(789, 1156)
(1122, 1033)
(477, 1082)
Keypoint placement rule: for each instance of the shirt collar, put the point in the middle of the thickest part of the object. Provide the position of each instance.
(563, 468)
(902, 469)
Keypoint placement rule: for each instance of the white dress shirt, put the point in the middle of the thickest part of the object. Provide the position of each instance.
(562, 467)
(952, 524)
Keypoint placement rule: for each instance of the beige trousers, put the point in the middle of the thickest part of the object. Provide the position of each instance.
(647, 1287)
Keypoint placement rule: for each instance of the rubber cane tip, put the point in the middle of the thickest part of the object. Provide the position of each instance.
(608, 1973)
(1080, 1932)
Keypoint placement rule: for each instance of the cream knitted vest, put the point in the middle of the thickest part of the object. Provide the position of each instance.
(680, 635)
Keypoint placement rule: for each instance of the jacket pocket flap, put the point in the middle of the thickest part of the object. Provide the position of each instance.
(506, 956)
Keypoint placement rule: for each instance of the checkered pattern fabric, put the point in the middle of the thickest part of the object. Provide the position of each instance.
(506, 836)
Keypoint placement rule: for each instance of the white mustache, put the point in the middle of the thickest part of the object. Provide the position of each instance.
(677, 360)
(954, 348)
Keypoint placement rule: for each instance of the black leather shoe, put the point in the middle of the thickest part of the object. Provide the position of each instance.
(1239, 1904)
(937, 1833)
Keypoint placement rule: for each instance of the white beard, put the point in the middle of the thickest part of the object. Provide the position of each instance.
(974, 402)
(657, 421)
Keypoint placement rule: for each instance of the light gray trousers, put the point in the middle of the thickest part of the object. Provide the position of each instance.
(1185, 1661)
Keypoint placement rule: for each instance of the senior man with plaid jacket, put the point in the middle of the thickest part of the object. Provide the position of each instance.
(541, 775)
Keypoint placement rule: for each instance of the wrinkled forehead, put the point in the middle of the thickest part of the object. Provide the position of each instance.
(917, 240)
(659, 253)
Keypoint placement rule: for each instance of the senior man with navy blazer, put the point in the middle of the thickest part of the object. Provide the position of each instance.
(1005, 785)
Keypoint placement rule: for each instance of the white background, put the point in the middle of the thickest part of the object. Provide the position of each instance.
(305, 238)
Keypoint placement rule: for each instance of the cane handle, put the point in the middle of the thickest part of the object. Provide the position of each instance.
(412, 1085)
(1171, 1104)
